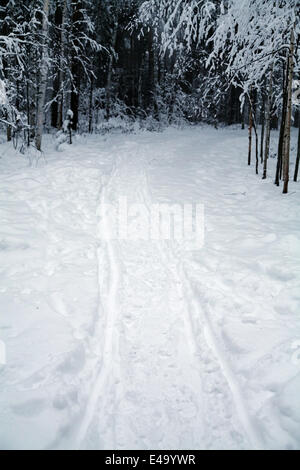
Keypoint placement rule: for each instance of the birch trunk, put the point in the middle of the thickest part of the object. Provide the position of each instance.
(43, 78)
(268, 123)
(281, 135)
(287, 130)
(254, 126)
(60, 110)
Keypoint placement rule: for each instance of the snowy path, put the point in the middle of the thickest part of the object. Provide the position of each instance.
(152, 347)
(152, 373)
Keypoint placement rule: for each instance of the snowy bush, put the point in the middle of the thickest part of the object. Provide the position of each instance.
(115, 125)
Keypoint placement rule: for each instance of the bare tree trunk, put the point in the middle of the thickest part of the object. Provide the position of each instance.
(281, 135)
(256, 144)
(298, 157)
(243, 118)
(28, 111)
(268, 123)
(287, 131)
(250, 131)
(91, 106)
(110, 70)
(43, 78)
(60, 110)
(254, 126)
(8, 129)
(140, 85)
(263, 129)
(8, 133)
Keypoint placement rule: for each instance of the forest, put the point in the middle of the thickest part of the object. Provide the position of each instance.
(128, 63)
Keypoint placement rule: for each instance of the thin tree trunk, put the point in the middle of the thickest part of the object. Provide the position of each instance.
(268, 123)
(298, 156)
(140, 84)
(110, 70)
(75, 93)
(91, 106)
(28, 112)
(281, 135)
(60, 108)
(287, 131)
(243, 118)
(256, 144)
(263, 130)
(8, 133)
(43, 78)
(254, 126)
(250, 131)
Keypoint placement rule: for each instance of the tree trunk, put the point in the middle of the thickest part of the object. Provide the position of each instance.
(254, 126)
(263, 129)
(250, 131)
(256, 144)
(298, 156)
(110, 70)
(140, 85)
(60, 106)
(43, 78)
(28, 111)
(8, 133)
(280, 143)
(91, 106)
(74, 105)
(287, 131)
(268, 123)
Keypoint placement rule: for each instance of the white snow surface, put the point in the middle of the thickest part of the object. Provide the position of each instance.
(139, 344)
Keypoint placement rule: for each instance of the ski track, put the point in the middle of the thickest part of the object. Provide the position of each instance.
(130, 172)
(109, 308)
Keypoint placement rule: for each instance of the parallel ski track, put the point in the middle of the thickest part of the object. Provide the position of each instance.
(194, 309)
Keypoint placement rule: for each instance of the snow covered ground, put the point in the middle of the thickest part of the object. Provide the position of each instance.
(123, 344)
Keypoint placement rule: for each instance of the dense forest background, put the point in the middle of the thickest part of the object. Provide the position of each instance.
(104, 64)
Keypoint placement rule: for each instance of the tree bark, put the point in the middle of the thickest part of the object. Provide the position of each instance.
(250, 131)
(60, 106)
(110, 70)
(298, 157)
(43, 77)
(8, 133)
(74, 105)
(256, 144)
(263, 129)
(91, 106)
(268, 123)
(287, 131)
(281, 135)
